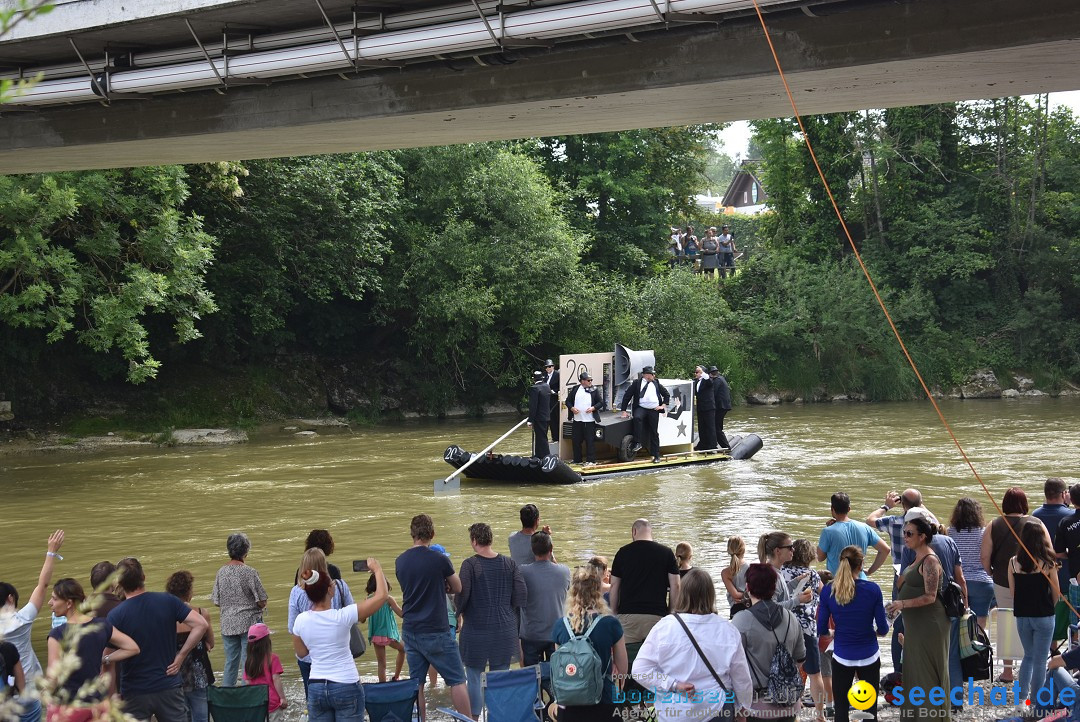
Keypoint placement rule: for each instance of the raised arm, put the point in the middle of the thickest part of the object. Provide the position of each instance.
(37, 597)
(373, 603)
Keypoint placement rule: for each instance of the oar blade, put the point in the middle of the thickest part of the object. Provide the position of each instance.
(447, 487)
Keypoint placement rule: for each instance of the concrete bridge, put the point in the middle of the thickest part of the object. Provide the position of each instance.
(679, 69)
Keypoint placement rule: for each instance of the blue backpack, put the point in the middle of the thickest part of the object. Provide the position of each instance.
(577, 674)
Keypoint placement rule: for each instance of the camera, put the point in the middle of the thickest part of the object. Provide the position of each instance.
(360, 565)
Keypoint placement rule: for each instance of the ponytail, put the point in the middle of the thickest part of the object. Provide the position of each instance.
(736, 548)
(851, 560)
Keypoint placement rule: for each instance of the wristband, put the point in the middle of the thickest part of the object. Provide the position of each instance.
(885, 507)
(54, 555)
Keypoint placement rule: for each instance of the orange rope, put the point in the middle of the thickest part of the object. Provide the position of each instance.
(877, 295)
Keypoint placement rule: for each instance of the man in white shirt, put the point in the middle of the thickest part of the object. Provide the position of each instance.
(650, 400)
(584, 402)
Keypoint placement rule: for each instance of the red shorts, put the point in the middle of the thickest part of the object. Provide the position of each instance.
(381, 641)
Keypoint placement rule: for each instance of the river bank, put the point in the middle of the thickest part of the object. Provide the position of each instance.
(127, 422)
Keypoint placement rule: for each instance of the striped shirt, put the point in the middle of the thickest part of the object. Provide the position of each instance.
(970, 543)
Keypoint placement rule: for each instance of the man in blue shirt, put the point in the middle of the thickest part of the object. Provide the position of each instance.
(150, 683)
(1050, 514)
(841, 532)
(426, 576)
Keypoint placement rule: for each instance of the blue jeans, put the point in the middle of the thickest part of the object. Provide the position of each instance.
(472, 676)
(335, 701)
(897, 629)
(980, 597)
(31, 710)
(1035, 635)
(435, 649)
(235, 656)
(1062, 680)
(196, 700)
(305, 673)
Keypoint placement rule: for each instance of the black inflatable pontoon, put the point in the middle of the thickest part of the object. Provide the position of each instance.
(552, 470)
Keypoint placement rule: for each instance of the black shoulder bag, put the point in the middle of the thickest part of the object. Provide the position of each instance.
(727, 713)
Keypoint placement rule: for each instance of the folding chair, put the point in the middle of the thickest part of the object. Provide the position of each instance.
(249, 703)
(512, 695)
(391, 701)
(1006, 637)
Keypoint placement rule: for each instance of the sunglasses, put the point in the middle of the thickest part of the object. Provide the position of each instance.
(787, 546)
(908, 534)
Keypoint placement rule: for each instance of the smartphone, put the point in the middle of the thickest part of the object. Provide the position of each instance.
(359, 565)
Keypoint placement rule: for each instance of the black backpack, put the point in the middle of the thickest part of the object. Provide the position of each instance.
(785, 682)
(979, 665)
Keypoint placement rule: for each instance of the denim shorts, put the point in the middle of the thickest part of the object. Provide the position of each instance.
(438, 650)
(812, 663)
(980, 597)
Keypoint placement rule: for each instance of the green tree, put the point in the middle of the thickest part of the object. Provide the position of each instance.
(486, 266)
(302, 240)
(624, 189)
(96, 254)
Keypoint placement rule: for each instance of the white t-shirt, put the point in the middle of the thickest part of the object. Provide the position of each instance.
(15, 628)
(649, 399)
(582, 401)
(326, 635)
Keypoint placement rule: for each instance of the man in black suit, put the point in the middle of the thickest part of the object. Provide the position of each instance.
(705, 401)
(723, 404)
(584, 402)
(539, 414)
(650, 400)
(551, 378)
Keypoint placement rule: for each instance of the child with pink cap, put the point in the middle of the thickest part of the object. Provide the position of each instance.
(264, 667)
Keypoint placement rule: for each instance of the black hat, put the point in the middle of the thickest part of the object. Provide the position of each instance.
(649, 370)
(584, 375)
(537, 375)
(713, 369)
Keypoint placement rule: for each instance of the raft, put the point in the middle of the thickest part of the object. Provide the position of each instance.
(553, 470)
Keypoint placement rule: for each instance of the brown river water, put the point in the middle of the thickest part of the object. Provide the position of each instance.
(174, 507)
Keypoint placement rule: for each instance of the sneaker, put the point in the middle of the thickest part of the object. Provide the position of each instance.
(636, 448)
(830, 711)
(589, 463)
(656, 460)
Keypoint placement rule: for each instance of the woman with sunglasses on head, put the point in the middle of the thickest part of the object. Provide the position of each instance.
(926, 627)
(776, 550)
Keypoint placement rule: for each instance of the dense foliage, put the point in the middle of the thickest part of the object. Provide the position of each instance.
(450, 271)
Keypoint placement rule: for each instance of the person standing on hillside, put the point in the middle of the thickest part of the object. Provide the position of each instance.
(726, 241)
(552, 379)
(539, 414)
(722, 394)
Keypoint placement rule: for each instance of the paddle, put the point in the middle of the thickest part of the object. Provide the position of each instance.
(451, 484)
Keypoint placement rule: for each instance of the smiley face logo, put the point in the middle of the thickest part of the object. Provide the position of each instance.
(862, 695)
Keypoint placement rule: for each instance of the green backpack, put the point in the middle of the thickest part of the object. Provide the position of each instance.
(577, 674)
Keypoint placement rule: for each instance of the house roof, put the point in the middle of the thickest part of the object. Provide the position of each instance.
(740, 181)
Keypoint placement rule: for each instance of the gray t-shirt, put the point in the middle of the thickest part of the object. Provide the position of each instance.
(521, 548)
(547, 583)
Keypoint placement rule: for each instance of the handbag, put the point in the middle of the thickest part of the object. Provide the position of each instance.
(953, 598)
(357, 642)
(727, 712)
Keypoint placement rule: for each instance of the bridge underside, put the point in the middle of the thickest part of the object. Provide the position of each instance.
(854, 55)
